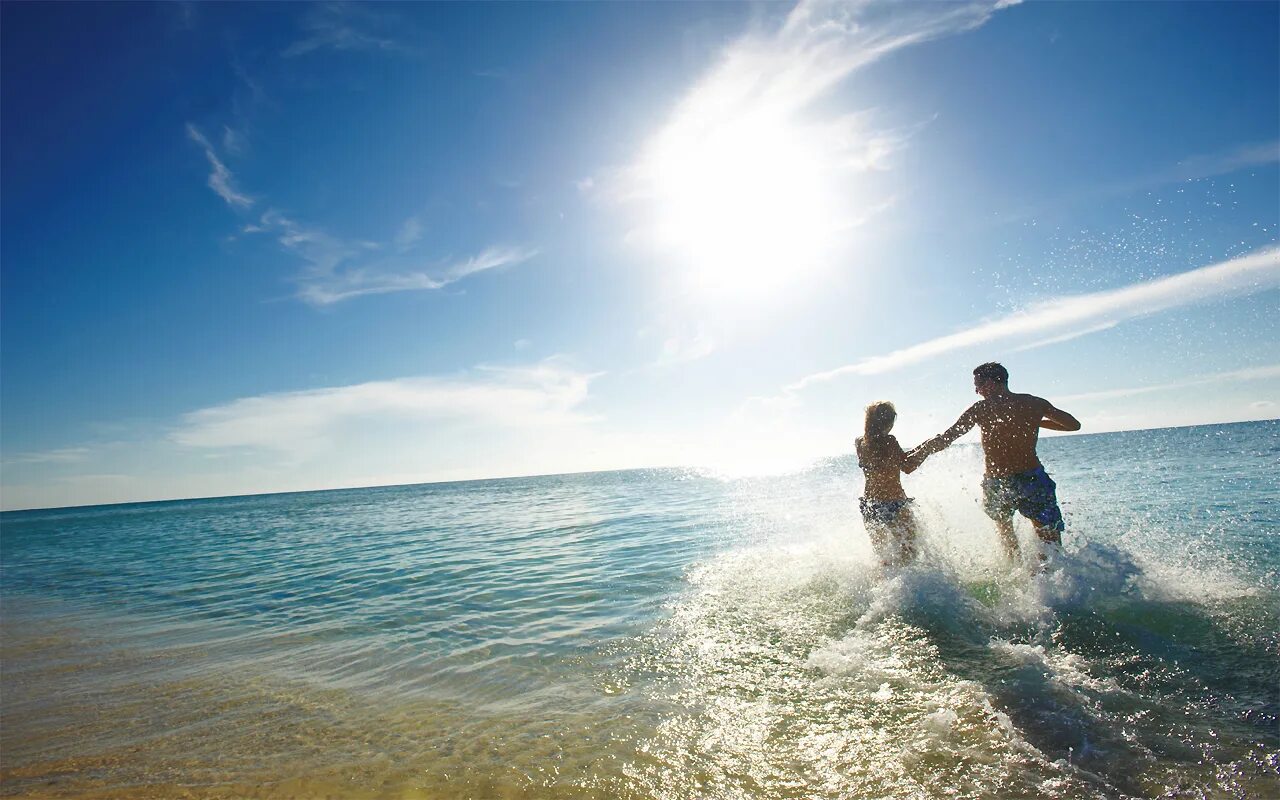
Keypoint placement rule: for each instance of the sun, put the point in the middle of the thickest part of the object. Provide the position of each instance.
(743, 206)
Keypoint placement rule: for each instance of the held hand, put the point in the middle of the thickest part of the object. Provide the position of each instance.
(914, 458)
(929, 447)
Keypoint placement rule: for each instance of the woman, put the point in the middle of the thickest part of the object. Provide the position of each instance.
(886, 509)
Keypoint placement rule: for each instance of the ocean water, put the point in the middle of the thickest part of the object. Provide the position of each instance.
(658, 634)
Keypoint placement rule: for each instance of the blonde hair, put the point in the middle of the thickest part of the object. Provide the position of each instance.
(879, 420)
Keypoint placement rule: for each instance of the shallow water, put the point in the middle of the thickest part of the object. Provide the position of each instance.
(658, 634)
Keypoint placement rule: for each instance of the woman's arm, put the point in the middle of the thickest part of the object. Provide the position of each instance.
(911, 461)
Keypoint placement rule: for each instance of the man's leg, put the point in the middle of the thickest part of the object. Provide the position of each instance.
(999, 505)
(1040, 505)
(1007, 537)
(1049, 534)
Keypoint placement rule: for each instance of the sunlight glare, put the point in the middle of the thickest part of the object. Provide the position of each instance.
(745, 204)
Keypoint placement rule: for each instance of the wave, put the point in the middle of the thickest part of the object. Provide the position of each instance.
(1095, 677)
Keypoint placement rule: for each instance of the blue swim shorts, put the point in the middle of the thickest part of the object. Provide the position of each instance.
(1033, 494)
(881, 512)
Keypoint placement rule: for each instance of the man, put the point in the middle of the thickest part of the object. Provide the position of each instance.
(1015, 480)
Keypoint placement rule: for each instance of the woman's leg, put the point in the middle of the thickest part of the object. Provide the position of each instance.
(906, 530)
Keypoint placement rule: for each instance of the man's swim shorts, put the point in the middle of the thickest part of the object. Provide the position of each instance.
(1032, 494)
(881, 512)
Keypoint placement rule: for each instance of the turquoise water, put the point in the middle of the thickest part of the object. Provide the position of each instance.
(659, 633)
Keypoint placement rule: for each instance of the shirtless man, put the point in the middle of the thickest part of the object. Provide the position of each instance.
(1015, 480)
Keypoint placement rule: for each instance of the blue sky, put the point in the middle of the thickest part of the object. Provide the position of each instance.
(252, 248)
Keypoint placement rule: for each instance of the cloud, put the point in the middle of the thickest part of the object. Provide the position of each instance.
(233, 141)
(220, 179)
(1076, 315)
(64, 455)
(322, 252)
(340, 269)
(752, 169)
(343, 27)
(257, 93)
(818, 45)
(1239, 375)
(410, 232)
(339, 285)
(779, 76)
(299, 423)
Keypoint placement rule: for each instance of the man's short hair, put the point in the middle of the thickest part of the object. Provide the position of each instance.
(991, 371)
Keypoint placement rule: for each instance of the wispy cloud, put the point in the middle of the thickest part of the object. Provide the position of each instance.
(1076, 315)
(233, 141)
(221, 180)
(298, 423)
(63, 455)
(339, 269)
(818, 45)
(409, 234)
(752, 167)
(1234, 376)
(322, 252)
(339, 285)
(257, 93)
(344, 27)
(769, 79)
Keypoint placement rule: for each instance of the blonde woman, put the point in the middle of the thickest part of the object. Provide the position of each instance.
(886, 509)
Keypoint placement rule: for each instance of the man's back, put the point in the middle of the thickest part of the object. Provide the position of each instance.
(1010, 425)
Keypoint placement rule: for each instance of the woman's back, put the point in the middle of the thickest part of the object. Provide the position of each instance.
(880, 458)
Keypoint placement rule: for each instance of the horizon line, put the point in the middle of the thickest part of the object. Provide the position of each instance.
(810, 463)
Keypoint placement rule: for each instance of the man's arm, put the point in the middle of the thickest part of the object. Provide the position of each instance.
(963, 425)
(1055, 419)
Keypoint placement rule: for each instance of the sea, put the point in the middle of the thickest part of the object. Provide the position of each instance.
(664, 633)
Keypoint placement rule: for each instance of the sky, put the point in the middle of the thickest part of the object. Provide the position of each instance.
(255, 248)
